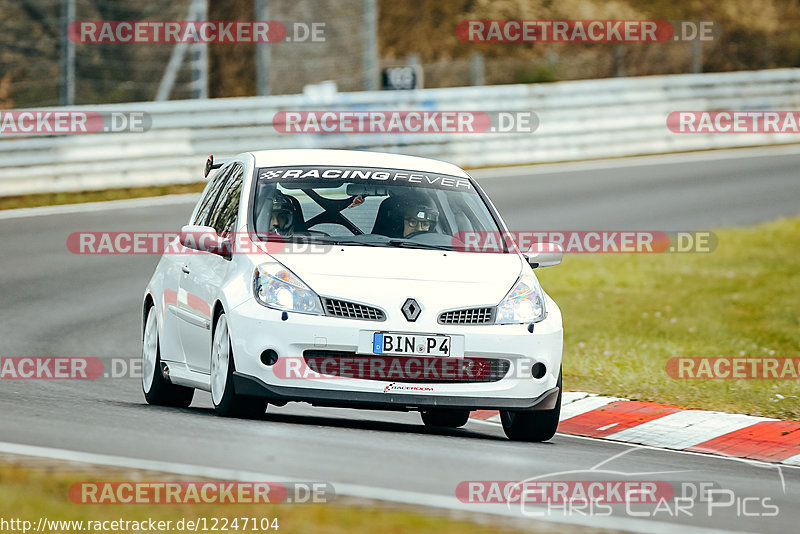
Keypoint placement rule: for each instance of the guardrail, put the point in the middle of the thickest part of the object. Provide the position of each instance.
(578, 120)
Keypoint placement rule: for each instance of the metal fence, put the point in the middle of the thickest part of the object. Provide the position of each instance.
(578, 120)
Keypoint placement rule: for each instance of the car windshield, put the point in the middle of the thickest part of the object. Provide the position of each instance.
(368, 207)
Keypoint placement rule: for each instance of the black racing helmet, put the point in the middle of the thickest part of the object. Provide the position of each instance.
(416, 209)
(282, 213)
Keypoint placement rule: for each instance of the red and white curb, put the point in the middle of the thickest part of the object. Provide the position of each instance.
(670, 427)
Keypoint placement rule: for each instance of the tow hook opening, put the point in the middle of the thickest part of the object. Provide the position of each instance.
(538, 370)
(269, 357)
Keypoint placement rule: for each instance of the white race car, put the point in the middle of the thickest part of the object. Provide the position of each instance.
(353, 279)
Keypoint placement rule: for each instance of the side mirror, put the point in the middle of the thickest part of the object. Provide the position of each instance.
(205, 239)
(211, 165)
(544, 255)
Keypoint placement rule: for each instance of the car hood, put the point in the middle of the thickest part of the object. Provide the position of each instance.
(387, 276)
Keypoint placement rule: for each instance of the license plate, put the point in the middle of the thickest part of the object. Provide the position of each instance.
(419, 344)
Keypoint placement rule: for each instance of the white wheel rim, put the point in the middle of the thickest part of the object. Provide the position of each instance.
(149, 350)
(220, 358)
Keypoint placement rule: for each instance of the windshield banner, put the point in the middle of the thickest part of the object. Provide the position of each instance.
(337, 175)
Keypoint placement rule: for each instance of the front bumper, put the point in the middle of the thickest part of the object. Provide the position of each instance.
(248, 385)
(255, 329)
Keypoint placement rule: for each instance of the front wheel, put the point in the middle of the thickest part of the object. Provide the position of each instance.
(532, 426)
(157, 390)
(226, 402)
(445, 418)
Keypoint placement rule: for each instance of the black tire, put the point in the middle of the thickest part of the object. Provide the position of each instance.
(533, 426)
(231, 404)
(159, 391)
(447, 418)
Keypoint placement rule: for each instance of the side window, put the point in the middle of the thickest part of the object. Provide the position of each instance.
(223, 218)
(207, 202)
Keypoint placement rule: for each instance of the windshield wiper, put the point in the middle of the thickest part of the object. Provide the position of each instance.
(360, 243)
(392, 243)
(313, 239)
(412, 244)
(305, 239)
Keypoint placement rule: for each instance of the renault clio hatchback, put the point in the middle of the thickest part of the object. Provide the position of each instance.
(346, 279)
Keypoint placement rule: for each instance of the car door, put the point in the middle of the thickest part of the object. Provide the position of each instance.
(204, 273)
(176, 309)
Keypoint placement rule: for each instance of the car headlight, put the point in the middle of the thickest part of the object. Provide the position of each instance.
(277, 287)
(523, 304)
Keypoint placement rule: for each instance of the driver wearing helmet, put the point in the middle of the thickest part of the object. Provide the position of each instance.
(404, 214)
(418, 217)
(407, 214)
(282, 215)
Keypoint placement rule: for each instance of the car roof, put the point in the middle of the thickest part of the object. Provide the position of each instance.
(353, 158)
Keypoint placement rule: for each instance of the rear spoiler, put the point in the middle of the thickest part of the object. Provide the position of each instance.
(211, 165)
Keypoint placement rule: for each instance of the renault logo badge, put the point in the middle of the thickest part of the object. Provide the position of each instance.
(411, 310)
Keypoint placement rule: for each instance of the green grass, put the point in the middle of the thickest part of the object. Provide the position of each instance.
(78, 197)
(30, 493)
(625, 315)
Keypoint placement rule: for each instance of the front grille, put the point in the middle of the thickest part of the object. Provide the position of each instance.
(468, 316)
(352, 310)
(405, 369)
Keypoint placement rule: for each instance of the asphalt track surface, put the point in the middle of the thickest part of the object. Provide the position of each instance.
(55, 303)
